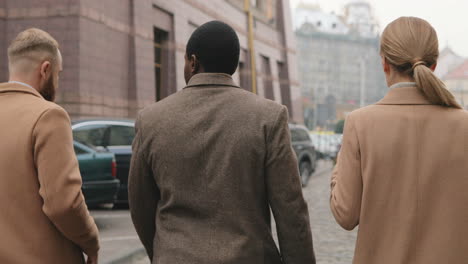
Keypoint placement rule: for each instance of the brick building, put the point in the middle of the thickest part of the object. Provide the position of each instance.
(121, 55)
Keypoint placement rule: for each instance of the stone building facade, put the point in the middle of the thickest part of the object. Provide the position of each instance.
(122, 55)
(457, 82)
(339, 63)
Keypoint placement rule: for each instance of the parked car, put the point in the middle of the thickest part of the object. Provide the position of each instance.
(115, 136)
(326, 145)
(98, 171)
(305, 151)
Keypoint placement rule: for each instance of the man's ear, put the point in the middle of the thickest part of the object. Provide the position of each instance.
(433, 67)
(194, 64)
(46, 69)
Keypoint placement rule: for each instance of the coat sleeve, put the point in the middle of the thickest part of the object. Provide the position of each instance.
(346, 183)
(60, 180)
(143, 193)
(285, 195)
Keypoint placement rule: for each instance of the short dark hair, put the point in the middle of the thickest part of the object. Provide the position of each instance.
(216, 46)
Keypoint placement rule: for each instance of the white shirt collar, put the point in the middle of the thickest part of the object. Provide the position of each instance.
(22, 83)
(403, 84)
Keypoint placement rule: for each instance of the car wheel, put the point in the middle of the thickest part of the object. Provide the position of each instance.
(305, 169)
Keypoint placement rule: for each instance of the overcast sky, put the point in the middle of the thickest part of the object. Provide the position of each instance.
(448, 17)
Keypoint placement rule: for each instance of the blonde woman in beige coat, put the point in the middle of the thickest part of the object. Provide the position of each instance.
(402, 174)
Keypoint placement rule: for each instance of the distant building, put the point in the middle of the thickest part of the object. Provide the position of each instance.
(324, 22)
(122, 55)
(339, 63)
(457, 83)
(448, 61)
(360, 18)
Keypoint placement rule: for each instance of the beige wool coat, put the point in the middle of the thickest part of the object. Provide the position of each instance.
(402, 176)
(43, 216)
(208, 163)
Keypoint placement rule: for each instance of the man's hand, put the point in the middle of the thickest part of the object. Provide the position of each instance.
(92, 259)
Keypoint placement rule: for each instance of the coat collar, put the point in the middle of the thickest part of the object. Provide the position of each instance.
(404, 96)
(18, 88)
(211, 79)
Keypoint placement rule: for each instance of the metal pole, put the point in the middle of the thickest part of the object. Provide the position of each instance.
(316, 112)
(362, 94)
(253, 66)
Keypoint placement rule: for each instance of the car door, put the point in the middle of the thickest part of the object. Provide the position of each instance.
(120, 143)
(93, 166)
(296, 142)
(85, 162)
(307, 146)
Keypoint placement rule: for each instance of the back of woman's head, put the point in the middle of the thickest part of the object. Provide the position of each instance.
(411, 46)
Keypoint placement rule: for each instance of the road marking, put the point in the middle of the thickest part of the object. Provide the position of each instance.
(111, 216)
(119, 238)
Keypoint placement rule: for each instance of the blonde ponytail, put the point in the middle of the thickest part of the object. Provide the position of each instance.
(411, 46)
(433, 88)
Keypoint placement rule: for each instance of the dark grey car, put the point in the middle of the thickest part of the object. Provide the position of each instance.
(115, 136)
(305, 151)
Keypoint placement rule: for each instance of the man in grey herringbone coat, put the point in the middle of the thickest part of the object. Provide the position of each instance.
(209, 162)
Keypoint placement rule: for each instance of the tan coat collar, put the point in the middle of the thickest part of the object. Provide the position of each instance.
(211, 79)
(404, 96)
(18, 88)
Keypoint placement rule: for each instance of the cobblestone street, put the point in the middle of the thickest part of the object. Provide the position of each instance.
(333, 245)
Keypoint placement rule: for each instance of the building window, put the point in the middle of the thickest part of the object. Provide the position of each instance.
(160, 53)
(244, 70)
(267, 79)
(284, 86)
(256, 3)
(244, 76)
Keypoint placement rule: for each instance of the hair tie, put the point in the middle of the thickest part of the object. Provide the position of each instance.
(417, 64)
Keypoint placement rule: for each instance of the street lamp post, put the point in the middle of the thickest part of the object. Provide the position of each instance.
(362, 90)
(316, 112)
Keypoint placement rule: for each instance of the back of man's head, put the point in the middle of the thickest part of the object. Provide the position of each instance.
(31, 47)
(216, 46)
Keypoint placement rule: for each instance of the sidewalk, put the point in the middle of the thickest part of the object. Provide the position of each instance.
(118, 238)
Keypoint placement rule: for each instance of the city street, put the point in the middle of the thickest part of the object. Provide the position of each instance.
(333, 245)
(117, 234)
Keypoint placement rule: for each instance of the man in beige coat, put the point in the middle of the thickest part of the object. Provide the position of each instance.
(44, 218)
(210, 161)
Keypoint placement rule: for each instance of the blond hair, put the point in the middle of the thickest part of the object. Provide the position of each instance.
(33, 45)
(411, 46)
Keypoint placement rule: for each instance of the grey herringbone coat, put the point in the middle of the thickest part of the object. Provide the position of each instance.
(208, 163)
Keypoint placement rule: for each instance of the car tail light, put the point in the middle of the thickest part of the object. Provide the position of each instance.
(114, 169)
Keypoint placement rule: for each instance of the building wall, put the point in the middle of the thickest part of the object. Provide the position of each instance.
(53, 16)
(459, 88)
(447, 62)
(109, 55)
(332, 68)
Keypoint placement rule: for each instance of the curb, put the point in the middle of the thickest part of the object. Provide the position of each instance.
(133, 255)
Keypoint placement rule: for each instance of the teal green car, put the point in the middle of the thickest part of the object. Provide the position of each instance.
(98, 170)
